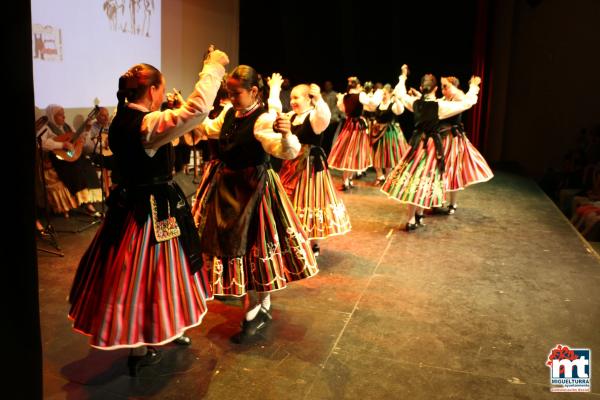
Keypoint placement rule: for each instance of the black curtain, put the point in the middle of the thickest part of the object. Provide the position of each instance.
(22, 350)
(314, 41)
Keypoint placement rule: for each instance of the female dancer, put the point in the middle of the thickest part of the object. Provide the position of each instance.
(418, 179)
(252, 240)
(351, 152)
(388, 142)
(137, 284)
(306, 178)
(464, 163)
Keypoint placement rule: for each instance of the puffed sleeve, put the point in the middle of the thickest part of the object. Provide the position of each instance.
(448, 109)
(273, 142)
(211, 128)
(400, 92)
(320, 116)
(397, 107)
(160, 127)
(340, 104)
(274, 101)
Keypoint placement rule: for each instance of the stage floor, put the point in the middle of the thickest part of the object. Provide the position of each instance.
(468, 307)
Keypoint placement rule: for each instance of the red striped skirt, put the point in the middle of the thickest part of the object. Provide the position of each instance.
(352, 149)
(417, 179)
(313, 196)
(137, 292)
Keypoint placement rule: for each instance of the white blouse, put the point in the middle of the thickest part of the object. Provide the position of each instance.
(446, 108)
(370, 102)
(319, 115)
(397, 107)
(161, 127)
(272, 142)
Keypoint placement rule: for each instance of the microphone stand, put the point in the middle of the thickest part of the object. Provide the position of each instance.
(48, 228)
(194, 150)
(103, 177)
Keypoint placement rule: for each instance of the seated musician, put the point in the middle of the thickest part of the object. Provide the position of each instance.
(78, 174)
(95, 146)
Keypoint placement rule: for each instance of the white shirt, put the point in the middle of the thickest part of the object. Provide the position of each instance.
(161, 127)
(370, 102)
(320, 115)
(91, 138)
(397, 107)
(446, 108)
(272, 142)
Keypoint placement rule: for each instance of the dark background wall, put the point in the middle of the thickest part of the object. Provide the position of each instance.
(314, 41)
(542, 77)
(318, 40)
(546, 57)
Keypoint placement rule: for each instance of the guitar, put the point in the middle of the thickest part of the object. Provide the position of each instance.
(192, 137)
(75, 139)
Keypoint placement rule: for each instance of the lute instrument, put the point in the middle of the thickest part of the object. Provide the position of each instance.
(75, 139)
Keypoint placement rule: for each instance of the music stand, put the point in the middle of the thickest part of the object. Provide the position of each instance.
(49, 229)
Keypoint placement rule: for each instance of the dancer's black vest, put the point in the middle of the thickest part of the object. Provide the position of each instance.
(142, 176)
(382, 120)
(427, 125)
(352, 105)
(228, 225)
(306, 135)
(452, 125)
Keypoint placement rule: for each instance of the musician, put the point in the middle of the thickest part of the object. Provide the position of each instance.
(96, 149)
(93, 137)
(56, 197)
(79, 176)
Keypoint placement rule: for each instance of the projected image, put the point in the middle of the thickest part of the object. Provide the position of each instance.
(47, 43)
(80, 48)
(131, 16)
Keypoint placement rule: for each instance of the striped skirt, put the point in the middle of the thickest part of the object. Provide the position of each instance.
(137, 291)
(390, 148)
(417, 179)
(313, 196)
(352, 149)
(453, 155)
(280, 252)
(474, 167)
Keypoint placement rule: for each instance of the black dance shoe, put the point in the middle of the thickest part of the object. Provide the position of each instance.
(136, 363)
(451, 209)
(419, 219)
(345, 187)
(410, 227)
(251, 328)
(42, 233)
(439, 211)
(183, 340)
(316, 249)
(94, 214)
